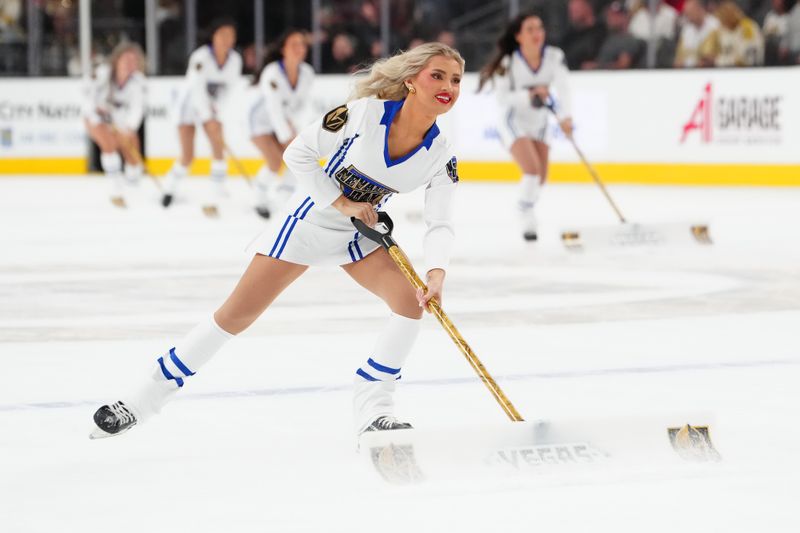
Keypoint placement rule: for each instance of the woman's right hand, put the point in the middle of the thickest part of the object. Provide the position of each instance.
(363, 211)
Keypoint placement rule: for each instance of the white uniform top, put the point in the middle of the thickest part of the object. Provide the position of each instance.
(208, 84)
(666, 23)
(519, 119)
(124, 105)
(512, 87)
(279, 106)
(353, 140)
(693, 39)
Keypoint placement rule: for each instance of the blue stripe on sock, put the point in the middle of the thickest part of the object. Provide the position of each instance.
(365, 375)
(167, 373)
(377, 366)
(183, 368)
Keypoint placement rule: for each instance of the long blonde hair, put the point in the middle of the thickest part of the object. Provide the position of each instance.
(123, 48)
(385, 79)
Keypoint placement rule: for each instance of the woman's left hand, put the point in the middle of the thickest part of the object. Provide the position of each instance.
(435, 283)
(566, 127)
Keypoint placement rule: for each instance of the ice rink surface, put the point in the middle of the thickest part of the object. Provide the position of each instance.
(263, 441)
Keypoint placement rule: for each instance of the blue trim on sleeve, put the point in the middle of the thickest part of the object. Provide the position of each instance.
(343, 155)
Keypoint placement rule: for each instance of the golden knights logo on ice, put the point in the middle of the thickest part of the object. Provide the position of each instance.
(396, 464)
(693, 443)
(359, 187)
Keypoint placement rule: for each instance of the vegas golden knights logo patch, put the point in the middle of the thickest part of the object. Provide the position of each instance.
(273, 85)
(396, 464)
(335, 119)
(452, 169)
(693, 443)
(359, 187)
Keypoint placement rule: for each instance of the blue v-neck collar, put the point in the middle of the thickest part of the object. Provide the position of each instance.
(390, 109)
(214, 56)
(286, 75)
(541, 59)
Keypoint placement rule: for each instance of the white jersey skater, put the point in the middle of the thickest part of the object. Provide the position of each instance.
(518, 116)
(208, 84)
(278, 107)
(122, 106)
(353, 141)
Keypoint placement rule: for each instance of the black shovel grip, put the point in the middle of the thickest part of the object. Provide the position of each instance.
(384, 239)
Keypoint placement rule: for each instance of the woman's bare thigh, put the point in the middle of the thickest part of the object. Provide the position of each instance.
(380, 275)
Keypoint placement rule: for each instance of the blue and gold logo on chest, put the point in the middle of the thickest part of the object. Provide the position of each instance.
(359, 187)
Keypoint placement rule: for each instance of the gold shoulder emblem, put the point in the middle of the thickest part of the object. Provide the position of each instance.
(335, 119)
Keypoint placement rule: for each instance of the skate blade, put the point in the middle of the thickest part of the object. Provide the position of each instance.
(118, 201)
(97, 433)
(210, 211)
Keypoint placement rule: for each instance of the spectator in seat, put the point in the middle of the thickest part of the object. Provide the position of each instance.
(793, 39)
(666, 21)
(341, 58)
(738, 41)
(697, 28)
(584, 34)
(776, 32)
(663, 23)
(620, 50)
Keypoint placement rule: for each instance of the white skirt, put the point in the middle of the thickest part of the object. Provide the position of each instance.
(292, 237)
(258, 121)
(530, 125)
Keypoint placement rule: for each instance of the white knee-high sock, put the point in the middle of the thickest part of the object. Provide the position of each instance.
(180, 363)
(219, 170)
(175, 175)
(133, 173)
(530, 189)
(287, 186)
(375, 379)
(112, 167)
(264, 181)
